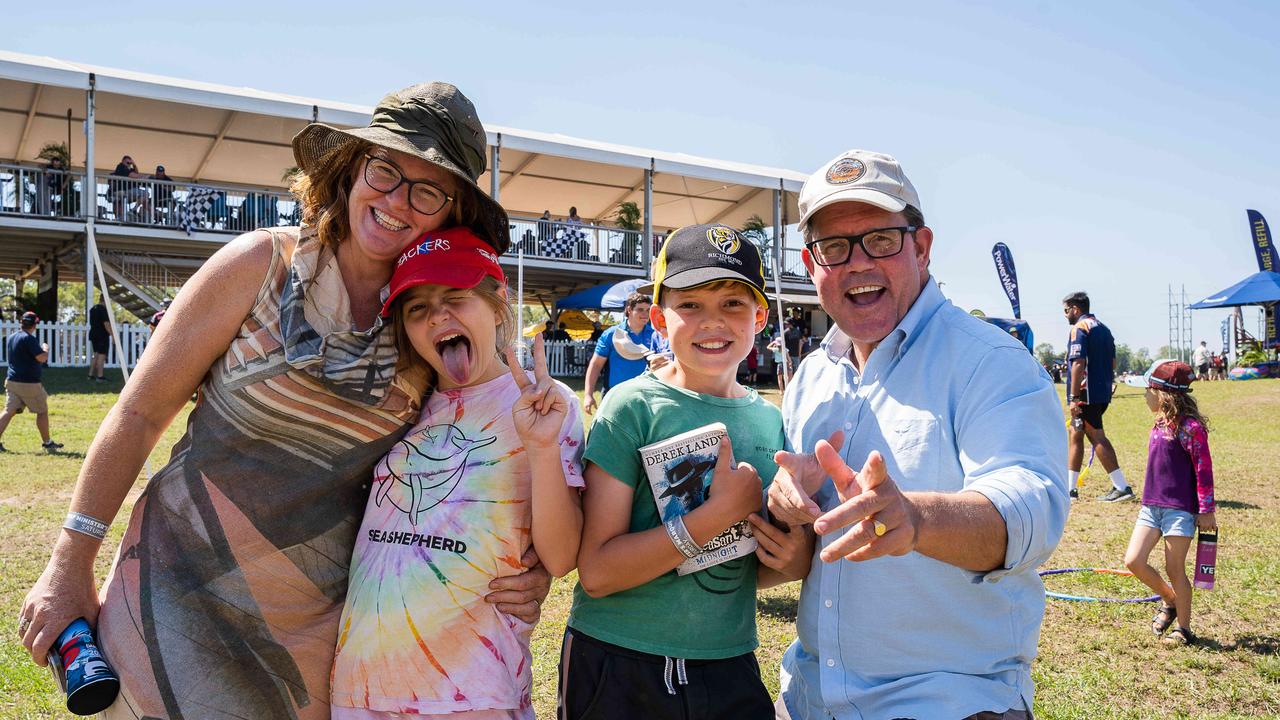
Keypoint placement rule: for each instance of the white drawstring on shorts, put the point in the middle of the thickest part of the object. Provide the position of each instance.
(680, 676)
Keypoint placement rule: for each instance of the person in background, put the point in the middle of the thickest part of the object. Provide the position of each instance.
(625, 347)
(782, 367)
(1200, 360)
(163, 192)
(753, 364)
(154, 321)
(794, 338)
(124, 192)
(1218, 367)
(23, 391)
(1091, 361)
(546, 231)
(100, 339)
(1177, 497)
(54, 186)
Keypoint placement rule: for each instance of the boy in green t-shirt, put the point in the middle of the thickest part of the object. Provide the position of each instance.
(643, 641)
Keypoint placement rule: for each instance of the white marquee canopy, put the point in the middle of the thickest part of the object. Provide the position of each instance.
(207, 132)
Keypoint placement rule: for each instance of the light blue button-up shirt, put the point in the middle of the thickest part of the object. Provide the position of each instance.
(953, 404)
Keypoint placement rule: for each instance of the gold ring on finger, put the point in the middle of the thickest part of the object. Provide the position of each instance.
(879, 527)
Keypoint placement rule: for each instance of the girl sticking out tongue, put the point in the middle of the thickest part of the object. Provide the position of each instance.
(448, 295)
(491, 469)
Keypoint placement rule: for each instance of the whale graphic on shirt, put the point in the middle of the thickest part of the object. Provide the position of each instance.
(434, 460)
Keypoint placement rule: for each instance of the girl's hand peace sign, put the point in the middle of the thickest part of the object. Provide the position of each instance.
(540, 411)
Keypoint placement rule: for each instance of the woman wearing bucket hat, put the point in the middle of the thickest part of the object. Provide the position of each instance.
(225, 595)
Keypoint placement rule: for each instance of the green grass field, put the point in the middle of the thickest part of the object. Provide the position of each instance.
(1096, 660)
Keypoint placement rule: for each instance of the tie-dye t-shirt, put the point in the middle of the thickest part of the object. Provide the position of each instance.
(447, 513)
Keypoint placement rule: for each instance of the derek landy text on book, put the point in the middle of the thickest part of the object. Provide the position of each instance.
(679, 470)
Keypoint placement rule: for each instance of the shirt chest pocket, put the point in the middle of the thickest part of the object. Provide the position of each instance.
(914, 449)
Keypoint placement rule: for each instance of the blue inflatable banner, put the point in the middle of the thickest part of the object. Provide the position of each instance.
(1268, 260)
(1271, 340)
(1008, 275)
(1226, 335)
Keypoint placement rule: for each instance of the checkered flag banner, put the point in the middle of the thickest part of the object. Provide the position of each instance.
(564, 242)
(195, 212)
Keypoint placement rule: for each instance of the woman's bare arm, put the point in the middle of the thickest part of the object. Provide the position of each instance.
(196, 331)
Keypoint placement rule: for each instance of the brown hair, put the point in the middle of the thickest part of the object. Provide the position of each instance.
(1173, 407)
(489, 290)
(716, 285)
(635, 299)
(323, 194)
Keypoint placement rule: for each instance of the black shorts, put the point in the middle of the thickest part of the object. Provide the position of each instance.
(1092, 413)
(601, 680)
(100, 344)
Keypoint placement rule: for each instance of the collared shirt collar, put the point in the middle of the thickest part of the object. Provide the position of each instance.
(837, 345)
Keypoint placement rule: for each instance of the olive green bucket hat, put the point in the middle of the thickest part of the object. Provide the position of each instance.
(433, 121)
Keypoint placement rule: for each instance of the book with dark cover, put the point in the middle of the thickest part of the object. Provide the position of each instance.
(679, 470)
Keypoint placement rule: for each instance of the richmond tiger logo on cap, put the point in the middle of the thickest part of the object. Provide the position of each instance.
(845, 170)
(723, 239)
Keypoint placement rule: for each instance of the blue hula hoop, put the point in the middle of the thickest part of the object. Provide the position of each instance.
(1085, 598)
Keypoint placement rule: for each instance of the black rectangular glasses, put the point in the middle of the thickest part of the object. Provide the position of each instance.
(880, 243)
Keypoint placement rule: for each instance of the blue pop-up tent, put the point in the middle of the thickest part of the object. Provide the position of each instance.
(1259, 288)
(1020, 329)
(609, 296)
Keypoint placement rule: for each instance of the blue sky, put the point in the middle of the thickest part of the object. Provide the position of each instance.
(1113, 146)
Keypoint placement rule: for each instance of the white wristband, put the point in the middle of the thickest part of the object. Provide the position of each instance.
(681, 538)
(85, 525)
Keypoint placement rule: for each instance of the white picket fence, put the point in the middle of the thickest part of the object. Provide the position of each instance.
(69, 343)
(69, 347)
(568, 358)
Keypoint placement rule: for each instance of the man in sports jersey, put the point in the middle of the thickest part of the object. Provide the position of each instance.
(1091, 358)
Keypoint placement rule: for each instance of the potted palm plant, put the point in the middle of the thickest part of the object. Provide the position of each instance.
(52, 188)
(628, 217)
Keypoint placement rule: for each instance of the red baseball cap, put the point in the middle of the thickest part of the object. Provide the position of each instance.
(456, 257)
(1171, 375)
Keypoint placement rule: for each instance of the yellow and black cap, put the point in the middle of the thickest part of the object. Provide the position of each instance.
(697, 255)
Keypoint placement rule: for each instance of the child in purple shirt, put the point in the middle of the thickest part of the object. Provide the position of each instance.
(1177, 497)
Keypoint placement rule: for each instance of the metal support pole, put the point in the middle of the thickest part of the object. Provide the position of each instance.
(520, 349)
(495, 167)
(89, 196)
(777, 225)
(646, 243)
(776, 261)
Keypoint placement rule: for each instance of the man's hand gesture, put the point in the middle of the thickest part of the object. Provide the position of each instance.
(881, 520)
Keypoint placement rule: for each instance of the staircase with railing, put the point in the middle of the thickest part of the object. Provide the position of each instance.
(138, 282)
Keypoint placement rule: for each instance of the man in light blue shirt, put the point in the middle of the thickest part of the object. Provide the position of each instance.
(937, 487)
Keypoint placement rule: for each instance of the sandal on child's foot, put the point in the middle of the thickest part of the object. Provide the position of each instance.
(1180, 636)
(1163, 619)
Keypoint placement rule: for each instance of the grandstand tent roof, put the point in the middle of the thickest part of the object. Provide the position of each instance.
(205, 131)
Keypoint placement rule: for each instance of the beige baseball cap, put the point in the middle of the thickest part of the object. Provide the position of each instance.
(858, 176)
